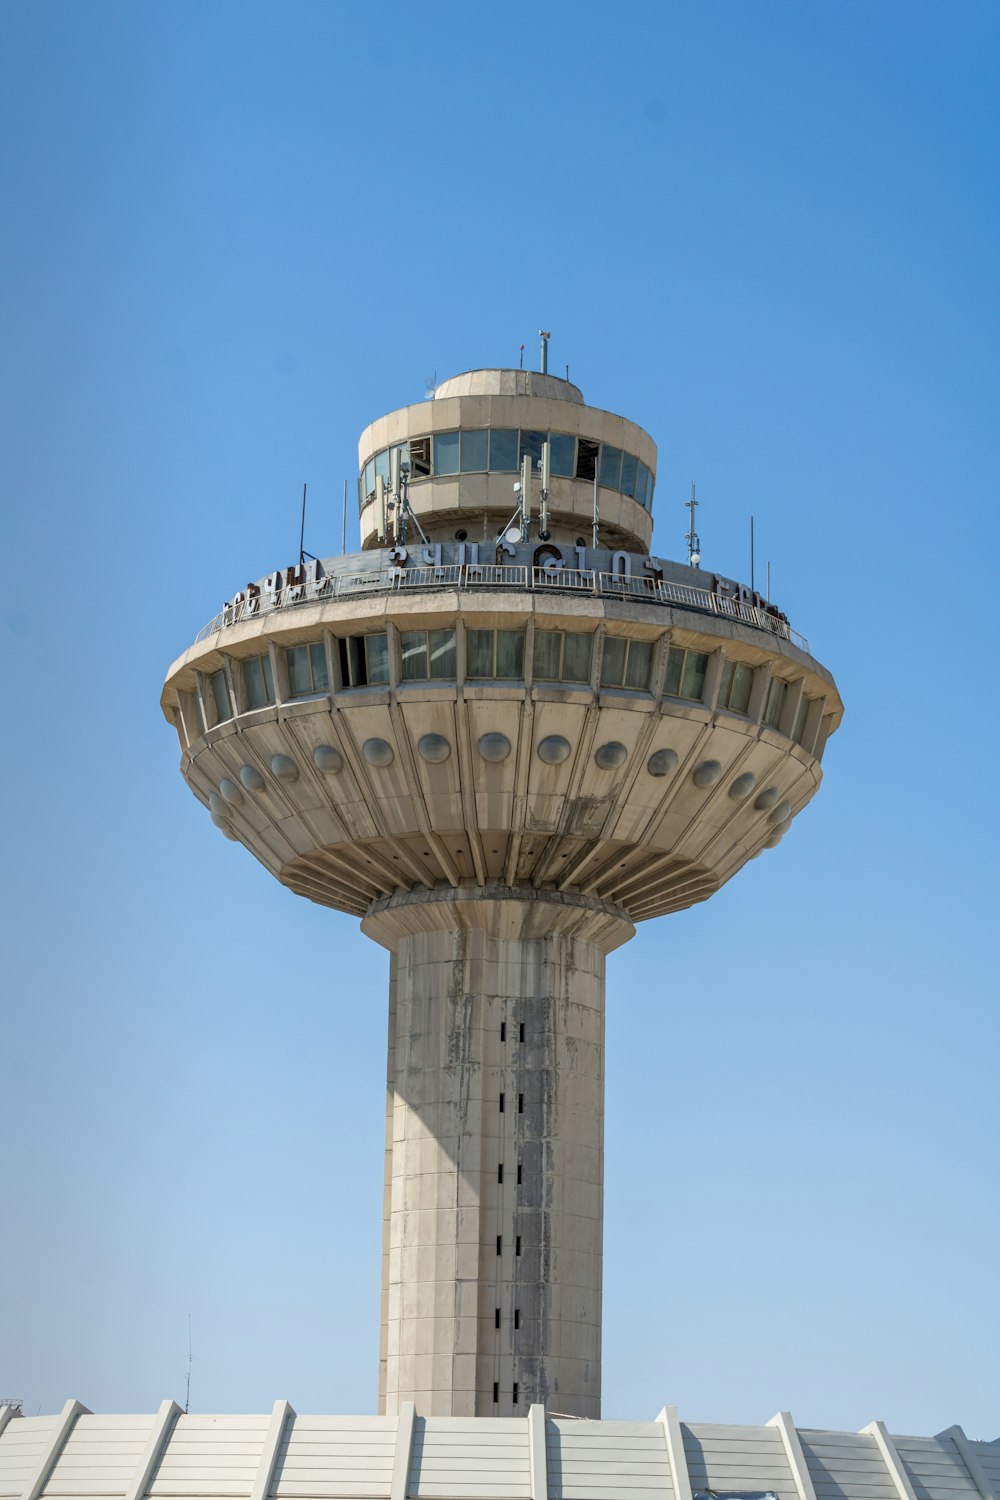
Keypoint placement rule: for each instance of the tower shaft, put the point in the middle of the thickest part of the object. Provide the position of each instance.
(494, 1151)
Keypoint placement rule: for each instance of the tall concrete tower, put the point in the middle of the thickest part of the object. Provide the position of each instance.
(500, 735)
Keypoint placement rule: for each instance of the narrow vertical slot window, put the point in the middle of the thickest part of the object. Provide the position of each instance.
(496, 1318)
(220, 694)
(501, 1103)
(258, 683)
(801, 714)
(499, 1244)
(515, 1393)
(520, 1032)
(500, 1172)
(519, 1171)
(774, 707)
(496, 1393)
(517, 1245)
(503, 1031)
(520, 1104)
(517, 1317)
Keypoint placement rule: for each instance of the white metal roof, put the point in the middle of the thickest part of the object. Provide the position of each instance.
(284, 1456)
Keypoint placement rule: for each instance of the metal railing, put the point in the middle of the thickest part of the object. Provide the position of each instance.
(470, 576)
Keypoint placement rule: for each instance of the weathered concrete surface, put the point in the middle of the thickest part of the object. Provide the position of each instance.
(496, 1059)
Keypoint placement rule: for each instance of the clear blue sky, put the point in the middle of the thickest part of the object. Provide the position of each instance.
(232, 235)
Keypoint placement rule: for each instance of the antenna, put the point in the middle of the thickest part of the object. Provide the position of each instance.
(752, 589)
(595, 508)
(187, 1393)
(521, 365)
(343, 529)
(543, 506)
(380, 505)
(769, 580)
(303, 554)
(544, 335)
(692, 538)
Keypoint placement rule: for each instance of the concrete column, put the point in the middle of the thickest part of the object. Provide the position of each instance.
(496, 1060)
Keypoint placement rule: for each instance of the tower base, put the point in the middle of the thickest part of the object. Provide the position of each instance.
(491, 1292)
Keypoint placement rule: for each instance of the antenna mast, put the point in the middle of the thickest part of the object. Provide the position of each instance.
(187, 1393)
(545, 335)
(692, 538)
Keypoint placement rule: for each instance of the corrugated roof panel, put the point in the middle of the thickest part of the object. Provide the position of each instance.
(935, 1467)
(207, 1456)
(748, 1459)
(606, 1460)
(846, 1466)
(989, 1457)
(478, 1458)
(486, 1458)
(335, 1456)
(100, 1456)
(22, 1444)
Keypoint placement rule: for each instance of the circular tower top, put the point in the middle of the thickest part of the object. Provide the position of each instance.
(509, 383)
(465, 450)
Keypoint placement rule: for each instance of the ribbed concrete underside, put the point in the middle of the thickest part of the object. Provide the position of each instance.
(650, 885)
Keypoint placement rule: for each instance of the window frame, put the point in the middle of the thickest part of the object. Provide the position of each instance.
(217, 680)
(354, 648)
(564, 637)
(684, 652)
(494, 675)
(628, 642)
(267, 679)
(430, 675)
(319, 671)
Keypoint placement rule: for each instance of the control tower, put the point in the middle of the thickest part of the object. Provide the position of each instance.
(500, 735)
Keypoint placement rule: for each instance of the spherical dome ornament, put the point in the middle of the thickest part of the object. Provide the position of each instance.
(220, 821)
(252, 779)
(494, 746)
(743, 786)
(217, 805)
(610, 756)
(227, 833)
(775, 839)
(782, 813)
(662, 762)
(230, 790)
(707, 774)
(284, 768)
(553, 750)
(378, 752)
(767, 798)
(328, 759)
(434, 748)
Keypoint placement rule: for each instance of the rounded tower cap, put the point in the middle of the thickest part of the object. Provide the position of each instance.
(509, 383)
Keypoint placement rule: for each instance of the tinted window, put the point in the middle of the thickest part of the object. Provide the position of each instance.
(474, 450)
(563, 454)
(446, 453)
(503, 450)
(611, 467)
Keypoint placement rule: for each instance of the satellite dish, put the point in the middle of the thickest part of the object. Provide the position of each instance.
(430, 385)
